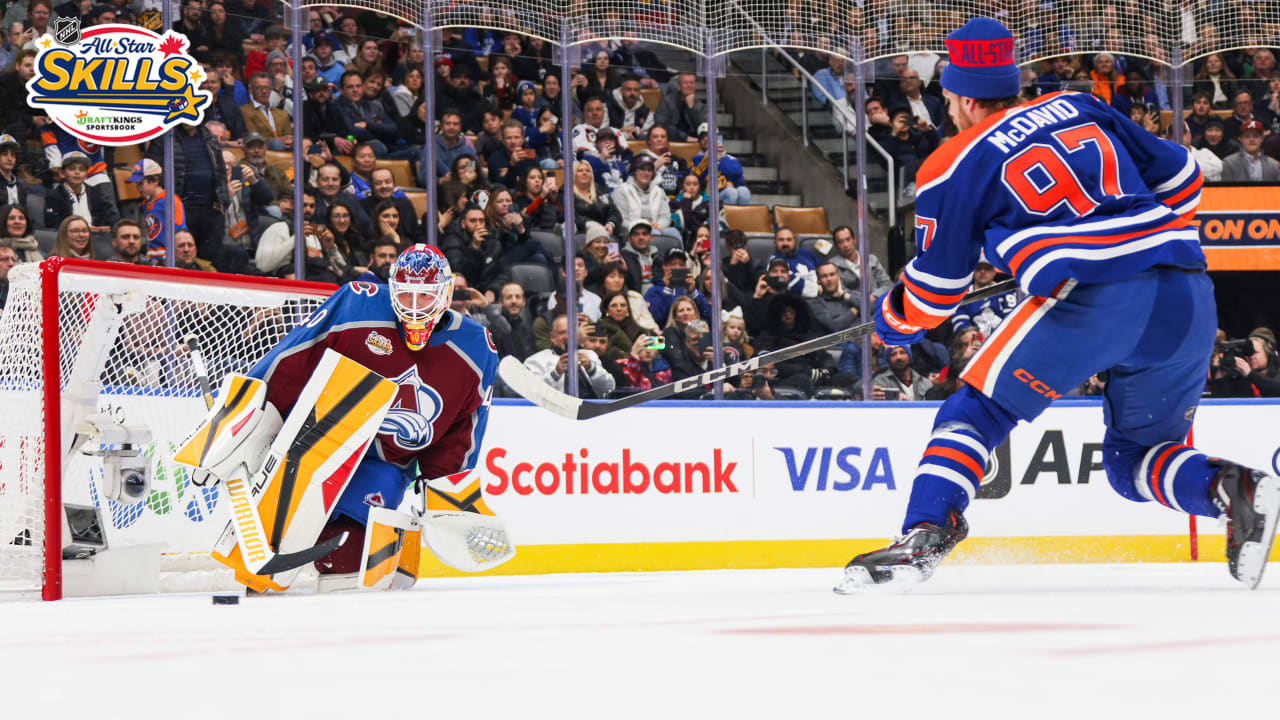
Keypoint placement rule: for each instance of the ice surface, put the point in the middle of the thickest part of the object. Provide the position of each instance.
(1030, 641)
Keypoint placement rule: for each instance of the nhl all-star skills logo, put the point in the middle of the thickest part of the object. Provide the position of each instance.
(116, 84)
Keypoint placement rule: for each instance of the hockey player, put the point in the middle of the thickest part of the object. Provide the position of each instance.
(442, 365)
(1090, 213)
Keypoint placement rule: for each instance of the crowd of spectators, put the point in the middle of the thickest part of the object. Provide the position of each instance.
(642, 211)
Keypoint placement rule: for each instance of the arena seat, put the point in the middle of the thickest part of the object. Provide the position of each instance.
(125, 190)
(664, 243)
(345, 161)
(401, 173)
(802, 220)
(281, 159)
(126, 155)
(750, 219)
(552, 242)
(685, 150)
(535, 278)
(637, 146)
(760, 248)
(419, 200)
(652, 97)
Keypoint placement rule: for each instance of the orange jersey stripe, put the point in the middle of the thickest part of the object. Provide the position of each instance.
(1031, 248)
(1187, 191)
(917, 315)
(931, 296)
(1156, 467)
(980, 366)
(952, 454)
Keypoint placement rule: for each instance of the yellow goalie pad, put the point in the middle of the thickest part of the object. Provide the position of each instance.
(392, 542)
(280, 504)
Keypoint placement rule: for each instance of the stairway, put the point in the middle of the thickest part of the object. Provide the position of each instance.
(767, 187)
(786, 92)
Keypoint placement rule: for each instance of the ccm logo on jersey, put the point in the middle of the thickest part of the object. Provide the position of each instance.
(1035, 385)
(378, 345)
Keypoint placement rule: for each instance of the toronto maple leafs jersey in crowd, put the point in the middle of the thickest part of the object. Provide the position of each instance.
(1057, 188)
(440, 412)
(985, 314)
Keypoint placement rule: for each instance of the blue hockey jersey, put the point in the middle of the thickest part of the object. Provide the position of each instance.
(1057, 188)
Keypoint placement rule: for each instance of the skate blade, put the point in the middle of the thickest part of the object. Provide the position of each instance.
(858, 579)
(1253, 555)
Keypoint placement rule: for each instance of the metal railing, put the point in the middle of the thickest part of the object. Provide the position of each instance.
(895, 184)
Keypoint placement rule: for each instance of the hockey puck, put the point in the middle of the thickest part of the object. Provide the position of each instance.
(226, 599)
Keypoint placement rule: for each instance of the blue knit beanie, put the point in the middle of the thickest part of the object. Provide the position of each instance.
(981, 61)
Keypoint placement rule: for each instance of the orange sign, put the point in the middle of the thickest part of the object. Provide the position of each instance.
(1240, 227)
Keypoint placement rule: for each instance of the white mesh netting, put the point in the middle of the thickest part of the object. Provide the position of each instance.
(1156, 30)
(125, 333)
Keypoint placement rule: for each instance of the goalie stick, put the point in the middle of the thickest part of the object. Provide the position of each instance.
(532, 387)
(280, 562)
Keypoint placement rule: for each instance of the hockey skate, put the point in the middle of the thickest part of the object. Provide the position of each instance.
(1250, 504)
(910, 559)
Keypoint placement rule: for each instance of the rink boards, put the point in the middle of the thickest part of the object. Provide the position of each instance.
(704, 486)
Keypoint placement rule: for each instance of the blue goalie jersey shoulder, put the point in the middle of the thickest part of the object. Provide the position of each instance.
(1062, 187)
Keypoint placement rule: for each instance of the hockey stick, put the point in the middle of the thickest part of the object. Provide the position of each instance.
(532, 387)
(243, 498)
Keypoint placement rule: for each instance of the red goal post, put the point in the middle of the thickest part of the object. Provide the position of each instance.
(80, 337)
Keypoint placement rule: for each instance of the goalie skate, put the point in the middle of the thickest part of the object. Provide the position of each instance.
(910, 559)
(1250, 503)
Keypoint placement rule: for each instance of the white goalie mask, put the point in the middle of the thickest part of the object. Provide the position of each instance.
(421, 285)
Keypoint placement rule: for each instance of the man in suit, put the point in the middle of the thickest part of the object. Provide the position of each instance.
(925, 109)
(1250, 165)
(269, 122)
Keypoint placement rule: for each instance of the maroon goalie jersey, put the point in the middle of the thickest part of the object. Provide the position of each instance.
(442, 408)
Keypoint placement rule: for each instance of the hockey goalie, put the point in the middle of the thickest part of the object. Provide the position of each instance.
(380, 390)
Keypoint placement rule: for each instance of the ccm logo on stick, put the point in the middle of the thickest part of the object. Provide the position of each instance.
(1037, 386)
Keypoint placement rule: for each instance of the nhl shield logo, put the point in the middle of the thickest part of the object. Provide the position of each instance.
(66, 30)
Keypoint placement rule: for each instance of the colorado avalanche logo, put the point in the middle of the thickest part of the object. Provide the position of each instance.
(407, 424)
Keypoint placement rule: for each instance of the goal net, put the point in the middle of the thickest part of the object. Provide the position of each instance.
(80, 338)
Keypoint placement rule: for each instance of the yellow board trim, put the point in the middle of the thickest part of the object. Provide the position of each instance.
(763, 554)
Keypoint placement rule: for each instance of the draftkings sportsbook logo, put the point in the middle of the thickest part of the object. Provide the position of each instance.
(116, 84)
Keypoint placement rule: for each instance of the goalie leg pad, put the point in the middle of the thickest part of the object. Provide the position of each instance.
(386, 559)
(459, 528)
(311, 460)
(237, 430)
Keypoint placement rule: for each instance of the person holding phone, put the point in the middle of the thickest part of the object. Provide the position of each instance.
(683, 334)
(644, 367)
(553, 363)
(538, 200)
(899, 381)
(674, 282)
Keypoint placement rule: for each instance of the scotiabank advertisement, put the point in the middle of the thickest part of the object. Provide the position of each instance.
(706, 473)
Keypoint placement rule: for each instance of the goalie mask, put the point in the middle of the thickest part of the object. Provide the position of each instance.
(421, 289)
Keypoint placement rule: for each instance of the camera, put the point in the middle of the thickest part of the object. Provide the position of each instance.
(776, 282)
(679, 276)
(1230, 350)
(892, 394)
(657, 342)
(126, 470)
